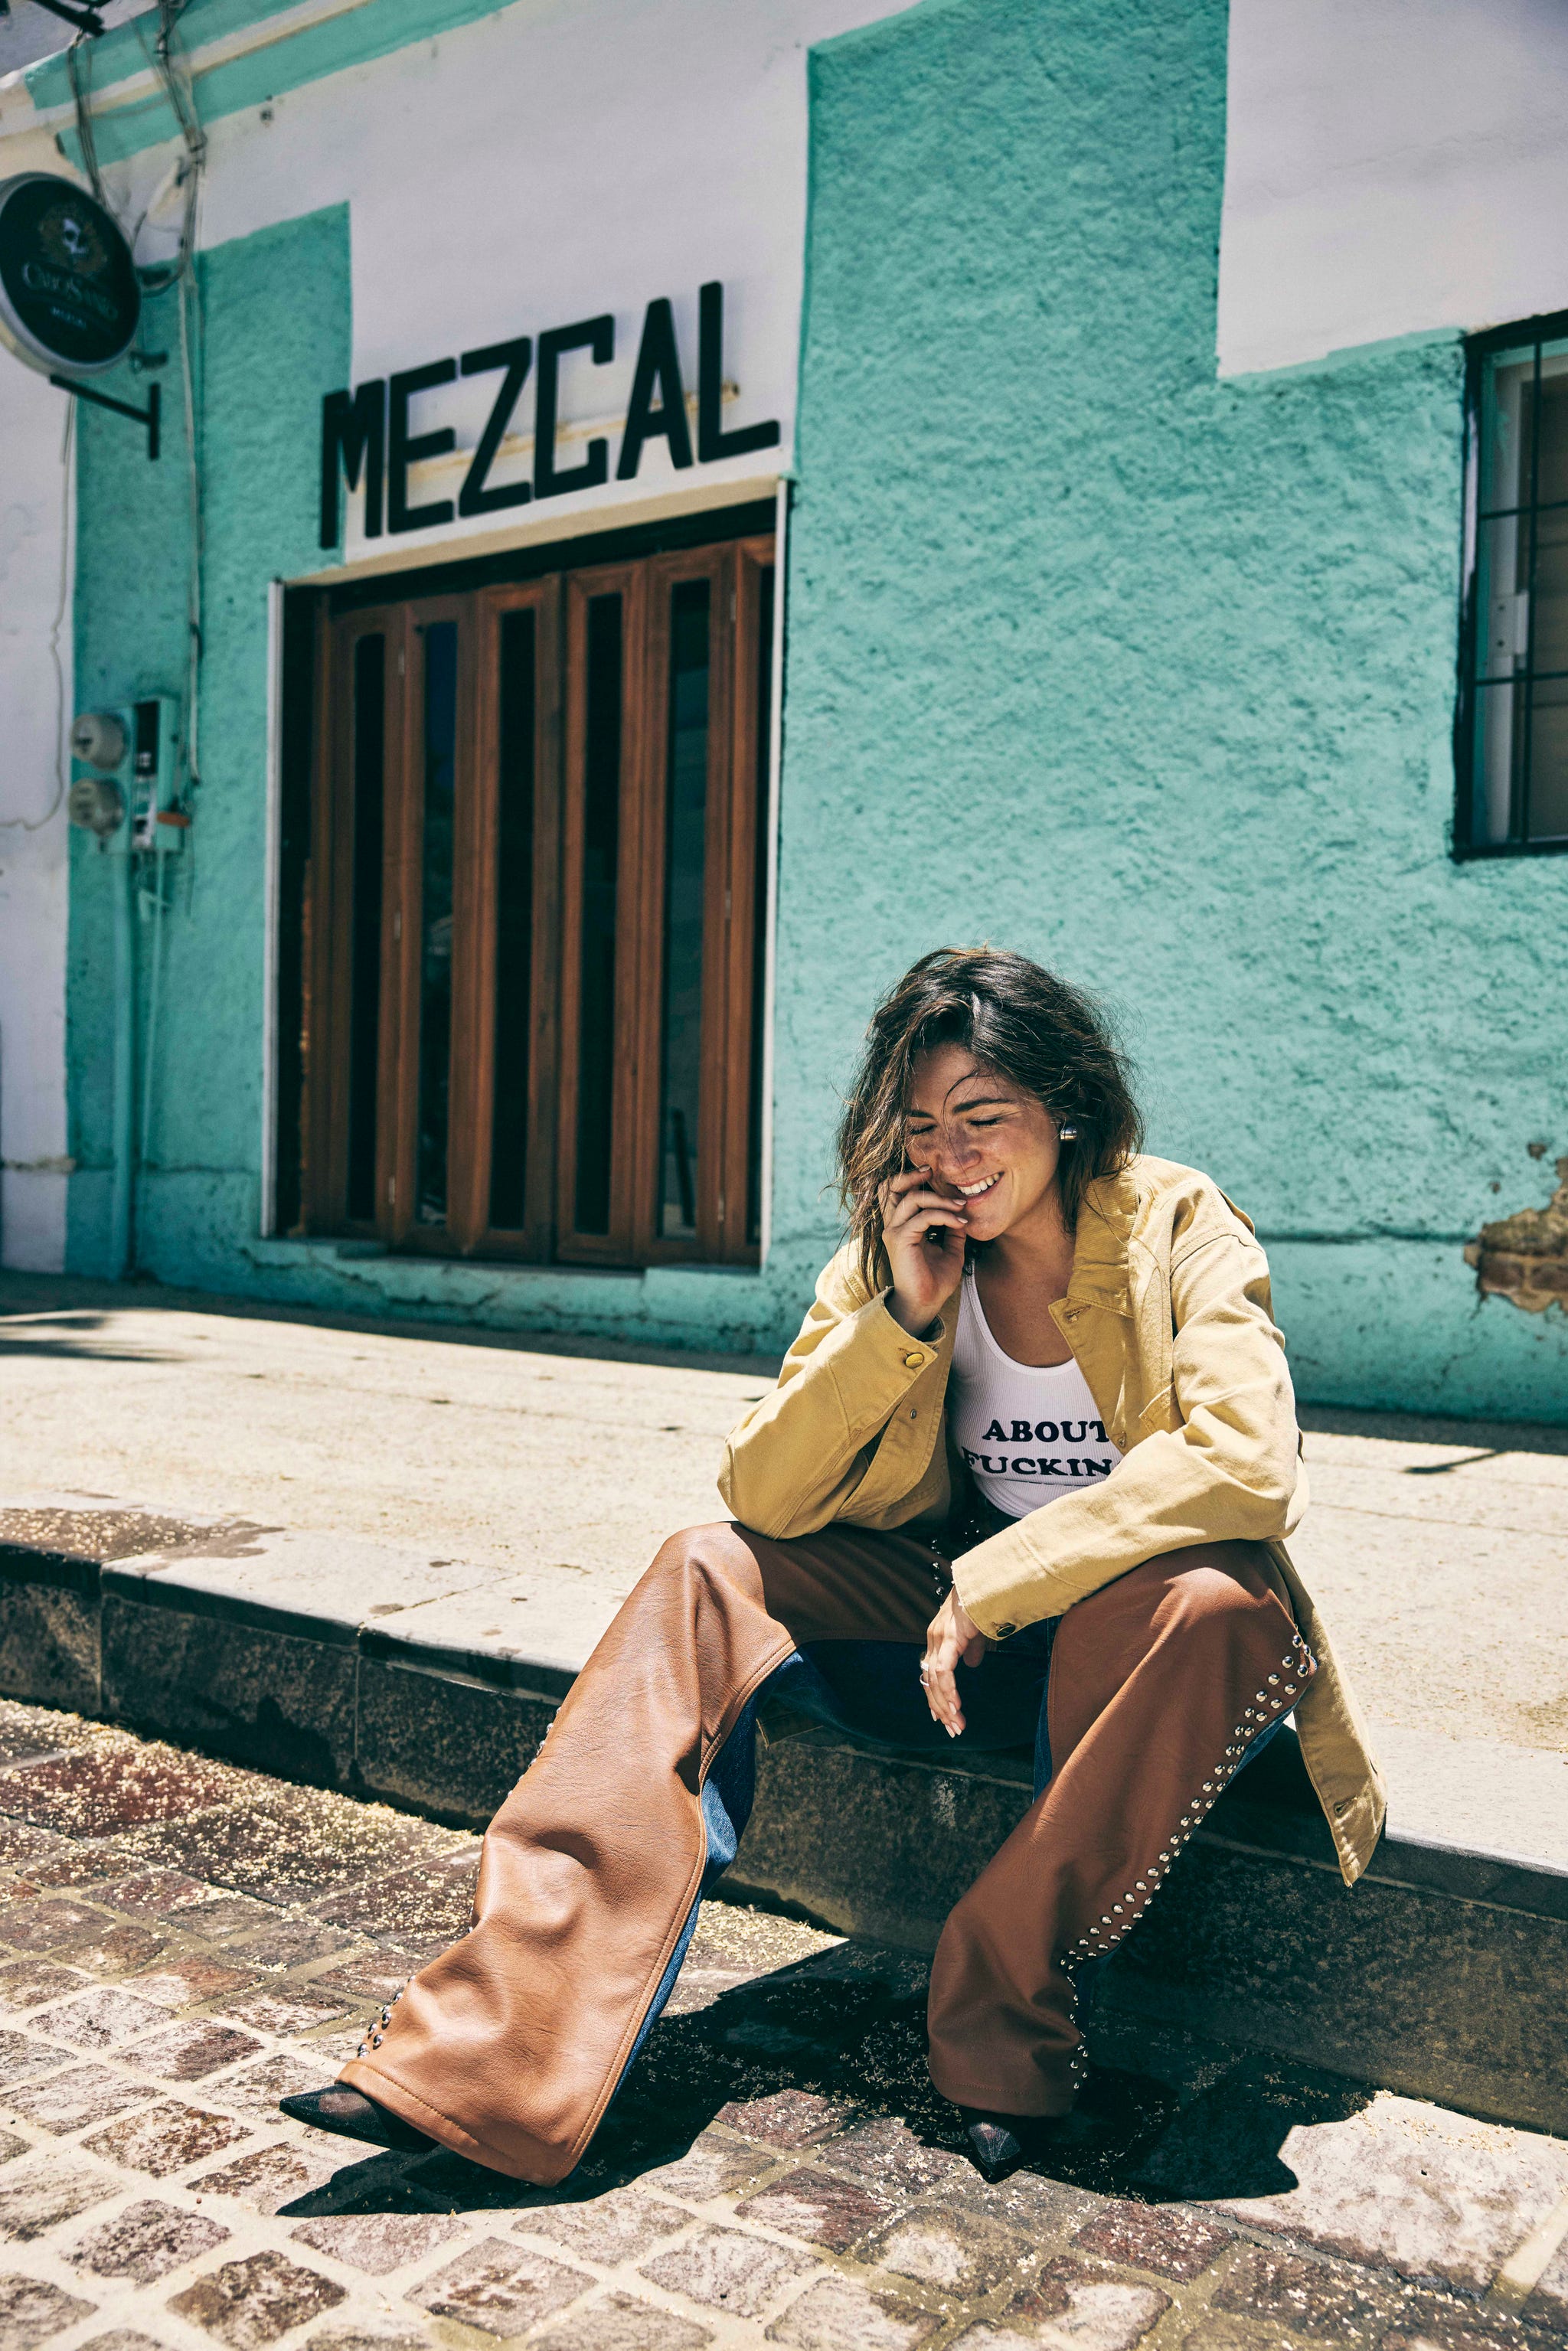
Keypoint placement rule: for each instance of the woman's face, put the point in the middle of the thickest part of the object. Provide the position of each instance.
(981, 1138)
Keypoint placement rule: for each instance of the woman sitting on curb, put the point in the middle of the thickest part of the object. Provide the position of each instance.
(1024, 1478)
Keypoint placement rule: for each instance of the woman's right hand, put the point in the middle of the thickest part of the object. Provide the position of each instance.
(925, 1237)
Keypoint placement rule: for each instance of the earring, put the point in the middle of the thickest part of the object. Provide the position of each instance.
(1067, 1132)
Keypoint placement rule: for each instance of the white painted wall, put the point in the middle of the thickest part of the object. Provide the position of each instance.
(1393, 166)
(33, 699)
(557, 160)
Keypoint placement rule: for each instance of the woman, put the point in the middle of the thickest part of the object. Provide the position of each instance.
(1023, 1478)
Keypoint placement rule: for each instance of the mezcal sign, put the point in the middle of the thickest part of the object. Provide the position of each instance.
(366, 435)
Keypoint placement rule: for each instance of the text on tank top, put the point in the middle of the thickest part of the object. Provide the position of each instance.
(1030, 1432)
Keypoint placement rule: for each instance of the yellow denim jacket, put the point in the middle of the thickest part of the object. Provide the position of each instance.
(1168, 1314)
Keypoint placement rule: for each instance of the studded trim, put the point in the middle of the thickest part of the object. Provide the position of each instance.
(374, 2040)
(1279, 1694)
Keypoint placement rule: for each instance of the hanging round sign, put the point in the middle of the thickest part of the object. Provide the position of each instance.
(69, 295)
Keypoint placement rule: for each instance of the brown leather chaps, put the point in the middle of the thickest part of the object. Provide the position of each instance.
(510, 2045)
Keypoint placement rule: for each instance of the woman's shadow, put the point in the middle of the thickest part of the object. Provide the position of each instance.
(857, 2043)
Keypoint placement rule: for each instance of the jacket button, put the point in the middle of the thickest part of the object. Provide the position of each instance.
(1003, 1631)
(914, 1412)
(913, 1363)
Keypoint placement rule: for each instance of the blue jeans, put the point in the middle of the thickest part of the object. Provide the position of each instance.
(873, 1688)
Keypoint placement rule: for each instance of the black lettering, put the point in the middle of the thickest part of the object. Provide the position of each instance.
(1052, 1468)
(1023, 1467)
(970, 1457)
(996, 1430)
(1022, 1432)
(658, 370)
(1070, 1436)
(405, 449)
(596, 337)
(476, 498)
(713, 442)
(1047, 1431)
(1075, 1468)
(353, 437)
(1098, 1469)
(1098, 1428)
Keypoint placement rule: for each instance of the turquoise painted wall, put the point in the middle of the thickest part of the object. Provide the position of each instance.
(1148, 674)
(1151, 676)
(277, 314)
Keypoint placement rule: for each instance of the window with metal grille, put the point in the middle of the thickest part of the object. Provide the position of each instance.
(1513, 737)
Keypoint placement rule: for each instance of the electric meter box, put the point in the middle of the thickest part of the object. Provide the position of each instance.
(125, 762)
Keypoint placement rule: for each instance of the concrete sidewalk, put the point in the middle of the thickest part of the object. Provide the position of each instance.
(542, 1476)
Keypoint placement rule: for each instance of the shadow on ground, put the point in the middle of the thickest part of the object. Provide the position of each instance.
(860, 2044)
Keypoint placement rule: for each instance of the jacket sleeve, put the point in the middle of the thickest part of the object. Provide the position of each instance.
(1230, 1471)
(838, 1438)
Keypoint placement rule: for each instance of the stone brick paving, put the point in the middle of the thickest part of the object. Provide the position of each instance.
(182, 1942)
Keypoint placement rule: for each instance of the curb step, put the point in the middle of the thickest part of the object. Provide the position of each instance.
(359, 1665)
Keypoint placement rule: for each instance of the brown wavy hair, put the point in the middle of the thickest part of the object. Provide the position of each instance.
(1018, 1020)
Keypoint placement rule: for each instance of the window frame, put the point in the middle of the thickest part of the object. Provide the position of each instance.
(1469, 780)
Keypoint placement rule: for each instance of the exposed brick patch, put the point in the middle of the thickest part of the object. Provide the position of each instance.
(619, 2226)
(185, 1981)
(44, 1923)
(295, 2010)
(819, 2208)
(50, 2188)
(250, 2304)
(379, 2242)
(727, 2269)
(713, 2165)
(1074, 2306)
(621, 2323)
(28, 1983)
(187, 2052)
(500, 2289)
(165, 2138)
(1316, 2298)
(31, 2311)
(270, 2178)
(788, 2118)
(1524, 1258)
(116, 1952)
(87, 2094)
(958, 2253)
(100, 2019)
(885, 2154)
(838, 2315)
(1168, 2239)
(146, 2241)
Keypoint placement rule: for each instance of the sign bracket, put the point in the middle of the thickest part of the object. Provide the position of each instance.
(151, 416)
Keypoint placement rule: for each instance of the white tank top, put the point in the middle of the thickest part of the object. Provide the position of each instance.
(1030, 1432)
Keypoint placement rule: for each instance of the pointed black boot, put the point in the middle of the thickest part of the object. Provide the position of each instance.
(1000, 2143)
(351, 2114)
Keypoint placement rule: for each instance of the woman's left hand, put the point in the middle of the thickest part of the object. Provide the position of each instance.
(950, 1636)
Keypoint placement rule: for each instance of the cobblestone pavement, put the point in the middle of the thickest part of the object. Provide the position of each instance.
(185, 1942)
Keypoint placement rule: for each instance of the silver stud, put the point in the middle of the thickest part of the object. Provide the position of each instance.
(1208, 1787)
(1117, 1908)
(1143, 1887)
(1272, 1680)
